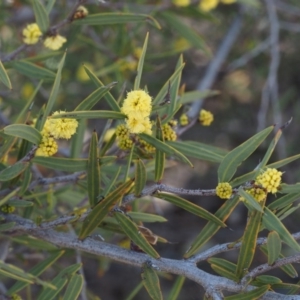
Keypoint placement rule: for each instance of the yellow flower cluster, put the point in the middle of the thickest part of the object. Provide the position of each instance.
(54, 42)
(7, 209)
(62, 128)
(168, 132)
(257, 193)
(124, 141)
(270, 180)
(31, 34)
(137, 108)
(208, 5)
(224, 190)
(15, 297)
(181, 3)
(147, 147)
(205, 117)
(53, 129)
(183, 120)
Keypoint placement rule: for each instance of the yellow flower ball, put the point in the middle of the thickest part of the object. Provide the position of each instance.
(54, 42)
(47, 147)
(208, 5)
(31, 34)
(168, 133)
(224, 190)
(137, 102)
(183, 120)
(205, 117)
(181, 3)
(122, 131)
(62, 128)
(125, 143)
(7, 209)
(257, 193)
(137, 123)
(270, 180)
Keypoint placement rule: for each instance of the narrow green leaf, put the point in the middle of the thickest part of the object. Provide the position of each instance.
(160, 156)
(134, 292)
(90, 101)
(93, 171)
(186, 31)
(111, 101)
(25, 132)
(53, 94)
(37, 270)
(140, 66)
(93, 114)
(198, 150)
(74, 287)
(7, 226)
(289, 188)
(59, 282)
(32, 70)
(78, 139)
(128, 164)
(269, 152)
(132, 231)
(41, 15)
(140, 177)
(164, 147)
(20, 203)
(250, 200)
(49, 6)
(287, 288)
(271, 222)
(25, 182)
(235, 157)
(189, 97)
(34, 243)
(224, 272)
(15, 276)
(268, 279)
(13, 171)
(7, 197)
(145, 217)
(252, 295)
(176, 288)
(116, 18)
(273, 246)
(164, 90)
(211, 228)
(284, 201)
(190, 207)
(62, 164)
(100, 210)
(283, 162)
(4, 77)
(247, 249)
(174, 89)
(288, 269)
(151, 282)
(223, 267)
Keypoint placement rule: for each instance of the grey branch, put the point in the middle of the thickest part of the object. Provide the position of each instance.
(179, 267)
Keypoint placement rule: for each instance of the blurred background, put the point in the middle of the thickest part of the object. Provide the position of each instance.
(257, 79)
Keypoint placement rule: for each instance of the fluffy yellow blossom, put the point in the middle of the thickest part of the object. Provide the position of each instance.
(46, 129)
(228, 1)
(108, 134)
(47, 147)
(181, 3)
(208, 5)
(205, 117)
(269, 180)
(62, 128)
(184, 120)
(128, 63)
(7, 209)
(168, 133)
(224, 190)
(137, 123)
(54, 42)
(181, 44)
(137, 52)
(81, 12)
(31, 34)
(257, 193)
(137, 102)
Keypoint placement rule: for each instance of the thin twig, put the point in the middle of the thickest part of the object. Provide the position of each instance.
(216, 64)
